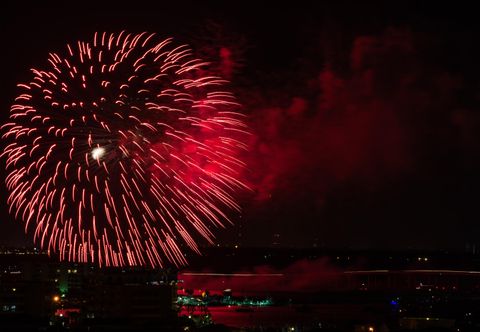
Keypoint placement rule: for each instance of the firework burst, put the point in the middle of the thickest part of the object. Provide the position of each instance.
(124, 151)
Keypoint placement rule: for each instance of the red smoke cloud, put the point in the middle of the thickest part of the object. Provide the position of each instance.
(362, 125)
(301, 276)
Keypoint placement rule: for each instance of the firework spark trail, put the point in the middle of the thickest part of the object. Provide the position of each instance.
(124, 152)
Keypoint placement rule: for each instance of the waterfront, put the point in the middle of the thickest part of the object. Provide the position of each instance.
(294, 290)
(339, 291)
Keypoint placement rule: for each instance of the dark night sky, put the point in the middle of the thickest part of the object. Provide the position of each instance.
(366, 116)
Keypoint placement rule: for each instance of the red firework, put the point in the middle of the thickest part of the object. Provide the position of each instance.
(124, 152)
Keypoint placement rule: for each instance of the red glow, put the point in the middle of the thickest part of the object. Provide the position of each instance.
(66, 312)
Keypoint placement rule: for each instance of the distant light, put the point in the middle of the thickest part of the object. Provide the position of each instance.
(371, 329)
(56, 298)
(14, 289)
(393, 302)
(97, 153)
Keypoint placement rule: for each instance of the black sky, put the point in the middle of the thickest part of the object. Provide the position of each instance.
(431, 202)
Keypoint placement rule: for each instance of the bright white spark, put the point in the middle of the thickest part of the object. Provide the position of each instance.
(97, 153)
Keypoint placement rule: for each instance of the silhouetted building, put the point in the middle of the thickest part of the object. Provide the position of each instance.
(36, 291)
